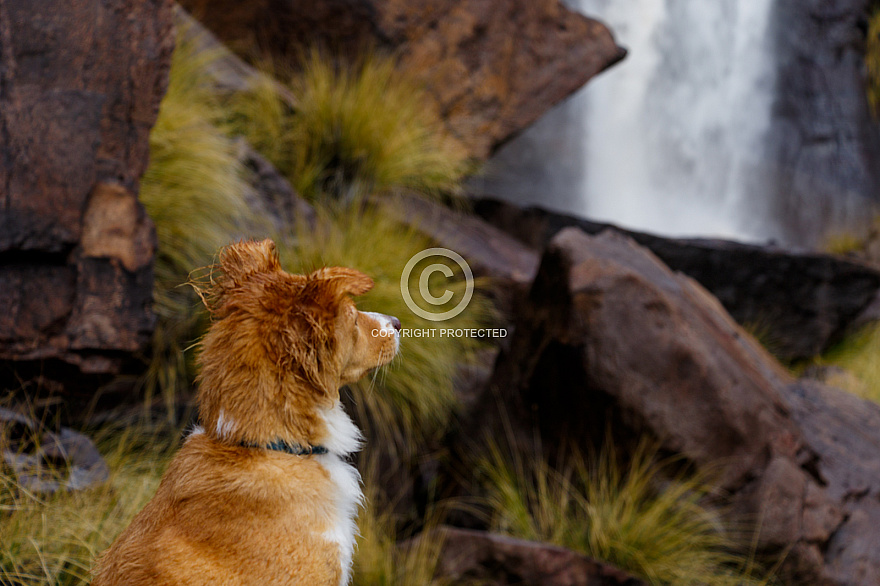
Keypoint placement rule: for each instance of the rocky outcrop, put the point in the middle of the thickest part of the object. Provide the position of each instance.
(492, 67)
(825, 147)
(798, 303)
(496, 560)
(80, 86)
(610, 334)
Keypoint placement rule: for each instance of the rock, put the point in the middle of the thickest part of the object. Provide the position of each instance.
(80, 86)
(271, 195)
(611, 335)
(823, 141)
(489, 252)
(492, 67)
(37, 464)
(799, 303)
(606, 315)
(498, 560)
(842, 431)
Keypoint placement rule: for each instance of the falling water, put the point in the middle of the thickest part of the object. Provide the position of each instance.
(671, 140)
(675, 140)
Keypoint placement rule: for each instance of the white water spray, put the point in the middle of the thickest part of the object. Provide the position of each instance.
(670, 140)
(675, 133)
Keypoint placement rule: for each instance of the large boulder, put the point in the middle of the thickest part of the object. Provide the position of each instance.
(610, 334)
(799, 303)
(492, 67)
(80, 86)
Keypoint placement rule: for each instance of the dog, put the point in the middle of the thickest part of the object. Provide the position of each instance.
(262, 492)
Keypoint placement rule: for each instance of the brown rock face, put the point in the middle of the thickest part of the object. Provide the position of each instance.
(492, 66)
(611, 334)
(80, 85)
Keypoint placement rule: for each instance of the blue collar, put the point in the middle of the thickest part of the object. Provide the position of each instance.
(295, 449)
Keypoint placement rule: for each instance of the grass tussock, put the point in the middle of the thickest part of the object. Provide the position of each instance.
(359, 128)
(194, 192)
(859, 356)
(413, 396)
(53, 540)
(639, 518)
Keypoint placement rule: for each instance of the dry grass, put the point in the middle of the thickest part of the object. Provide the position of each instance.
(842, 243)
(360, 128)
(53, 540)
(642, 518)
(194, 191)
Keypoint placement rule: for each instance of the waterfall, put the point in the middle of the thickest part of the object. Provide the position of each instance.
(672, 139)
(674, 142)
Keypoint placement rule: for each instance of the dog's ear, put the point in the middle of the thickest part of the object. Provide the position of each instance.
(339, 281)
(235, 265)
(243, 259)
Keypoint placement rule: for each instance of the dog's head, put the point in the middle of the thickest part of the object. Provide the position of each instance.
(281, 344)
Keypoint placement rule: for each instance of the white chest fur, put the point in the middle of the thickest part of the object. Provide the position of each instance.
(343, 438)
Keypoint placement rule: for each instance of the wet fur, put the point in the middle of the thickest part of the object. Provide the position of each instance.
(272, 363)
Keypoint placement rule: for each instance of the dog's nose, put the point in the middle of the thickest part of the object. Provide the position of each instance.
(395, 322)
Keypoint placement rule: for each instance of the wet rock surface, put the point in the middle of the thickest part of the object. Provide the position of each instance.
(490, 252)
(271, 196)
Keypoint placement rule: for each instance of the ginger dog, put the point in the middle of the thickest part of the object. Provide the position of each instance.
(263, 494)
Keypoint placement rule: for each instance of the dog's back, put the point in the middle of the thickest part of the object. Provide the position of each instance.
(231, 515)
